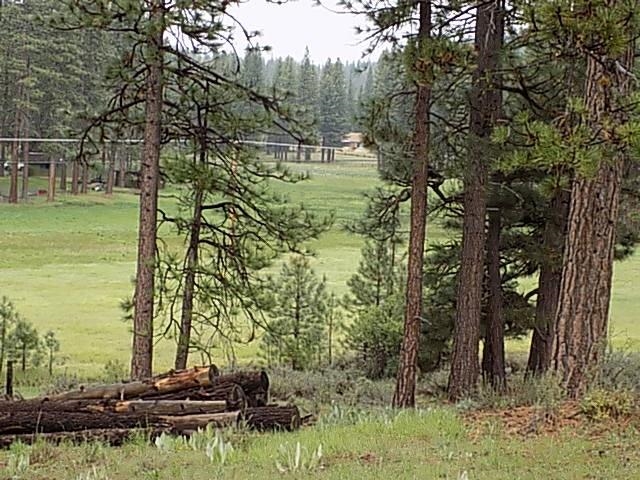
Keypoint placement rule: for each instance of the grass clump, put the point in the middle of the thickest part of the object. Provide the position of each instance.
(602, 404)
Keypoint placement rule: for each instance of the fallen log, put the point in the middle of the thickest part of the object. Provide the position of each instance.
(151, 407)
(173, 381)
(272, 417)
(254, 385)
(111, 436)
(51, 422)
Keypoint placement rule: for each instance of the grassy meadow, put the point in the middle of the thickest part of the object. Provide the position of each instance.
(67, 265)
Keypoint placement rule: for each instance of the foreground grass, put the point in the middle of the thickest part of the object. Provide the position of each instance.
(430, 444)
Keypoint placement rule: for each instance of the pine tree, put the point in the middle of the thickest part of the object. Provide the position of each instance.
(296, 331)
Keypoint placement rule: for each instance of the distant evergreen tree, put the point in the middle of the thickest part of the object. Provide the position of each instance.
(332, 100)
(296, 332)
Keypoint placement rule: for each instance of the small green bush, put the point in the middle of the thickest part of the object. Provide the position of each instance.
(602, 404)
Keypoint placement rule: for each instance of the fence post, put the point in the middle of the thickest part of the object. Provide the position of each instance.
(51, 191)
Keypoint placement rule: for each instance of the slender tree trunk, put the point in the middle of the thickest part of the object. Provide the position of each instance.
(184, 339)
(15, 153)
(25, 147)
(142, 351)
(585, 289)
(485, 106)
(75, 172)
(549, 284)
(51, 190)
(111, 169)
(493, 368)
(404, 396)
(63, 175)
(25, 161)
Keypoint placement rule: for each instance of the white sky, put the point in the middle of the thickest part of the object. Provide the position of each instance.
(290, 27)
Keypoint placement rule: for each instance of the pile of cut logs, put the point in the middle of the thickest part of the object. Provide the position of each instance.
(178, 402)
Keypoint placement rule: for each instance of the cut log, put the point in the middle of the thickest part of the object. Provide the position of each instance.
(272, 417)
(169, 407)
(167, 383)
(190, 423)
(111, 436)
(235, 401)
(49, 422)
(255, 386)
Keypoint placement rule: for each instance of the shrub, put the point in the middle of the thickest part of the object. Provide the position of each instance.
(601, 404)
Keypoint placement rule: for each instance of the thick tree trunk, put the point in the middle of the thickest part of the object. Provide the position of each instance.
(485, 107)
(404, 395)
(493, 368)
(142, 350)
(184, 338)
(549, 284)
(51, 190)
(585, 290)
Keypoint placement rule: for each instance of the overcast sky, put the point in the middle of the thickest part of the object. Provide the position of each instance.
(290, 27)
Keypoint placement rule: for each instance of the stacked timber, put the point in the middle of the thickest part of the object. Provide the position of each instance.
(177, 402)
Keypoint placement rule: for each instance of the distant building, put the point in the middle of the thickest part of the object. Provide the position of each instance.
(353, 140)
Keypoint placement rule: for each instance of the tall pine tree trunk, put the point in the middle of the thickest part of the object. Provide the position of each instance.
(142, 350)
(485, 105)
(404, 395)
(585, 289)
(493, 368)
(549, 284)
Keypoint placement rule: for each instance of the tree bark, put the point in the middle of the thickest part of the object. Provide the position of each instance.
(25, 161)
(485, 106)
(585, 289)
(142, 350)
(404, 396)
(63, 175)
(51, 190)
(549, 284)
(111, 171)
(493, 368)
(84, 186)
(75, 172)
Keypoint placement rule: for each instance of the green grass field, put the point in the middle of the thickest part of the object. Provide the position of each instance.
(68, 264)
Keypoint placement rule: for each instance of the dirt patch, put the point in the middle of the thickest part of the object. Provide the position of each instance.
(537, 420)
